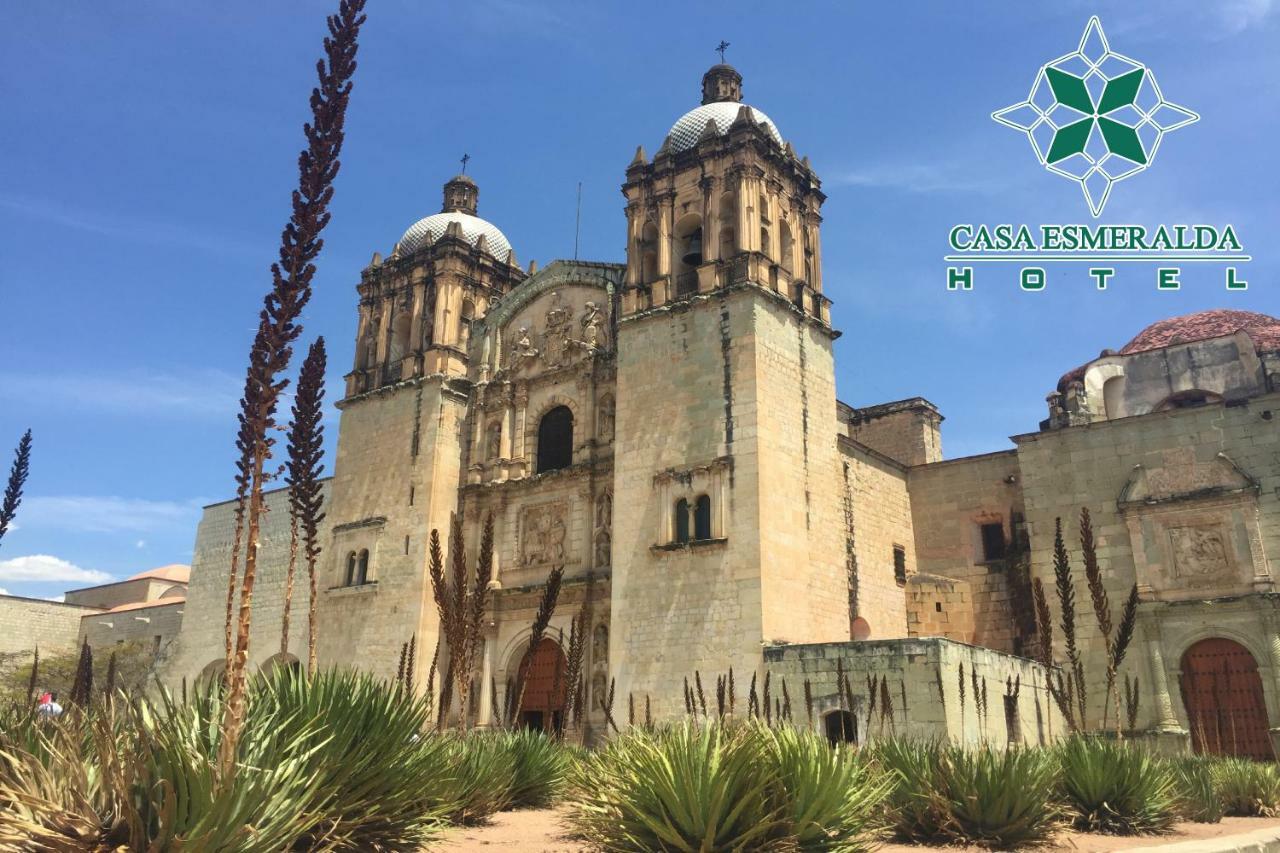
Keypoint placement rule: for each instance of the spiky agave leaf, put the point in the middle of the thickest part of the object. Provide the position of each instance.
(1115, 787)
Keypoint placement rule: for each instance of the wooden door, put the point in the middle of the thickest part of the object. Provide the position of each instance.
(544, 687)
(1222, 692)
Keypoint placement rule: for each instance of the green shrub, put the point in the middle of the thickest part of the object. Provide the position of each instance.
(916, 811)
(998, 798)
(830, 798)
(1198, 797)
(1247, 788)
(683, 787)
(1116, 788)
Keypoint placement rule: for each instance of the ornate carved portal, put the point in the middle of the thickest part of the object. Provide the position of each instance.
(560, 340)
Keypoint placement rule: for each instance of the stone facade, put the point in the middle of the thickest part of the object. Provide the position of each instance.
(666, 431)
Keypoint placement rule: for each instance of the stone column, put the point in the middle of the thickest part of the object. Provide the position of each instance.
(1166, 731)
(485, 717)
(1273, 645)
(415, 323)
(384, 331)
(666, 235)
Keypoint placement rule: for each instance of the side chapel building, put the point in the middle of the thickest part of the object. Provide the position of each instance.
(667, 429)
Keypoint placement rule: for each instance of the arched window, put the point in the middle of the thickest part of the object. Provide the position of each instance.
(362, 568)
(682, 521)
(555, 440)
(702, 517)
(349, 578)
(649, 253)
(400, 328)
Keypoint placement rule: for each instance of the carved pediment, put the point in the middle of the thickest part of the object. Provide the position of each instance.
(1181, 478)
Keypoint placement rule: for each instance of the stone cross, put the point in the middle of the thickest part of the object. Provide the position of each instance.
(720, 49)
(465, 158)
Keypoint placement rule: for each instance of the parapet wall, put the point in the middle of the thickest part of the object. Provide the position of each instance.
(923, 688)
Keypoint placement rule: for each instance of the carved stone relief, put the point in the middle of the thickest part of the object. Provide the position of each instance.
(603, 536)
(1199, 552)
(559, 342)
(600, 645)
(543, 535)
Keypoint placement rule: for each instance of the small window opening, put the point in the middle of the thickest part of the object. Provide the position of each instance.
(899, 564)
(937, 606)
(555, 440)
(411, 496)
(841, 727)
(682, 521)
(993, 544)
(702, 518)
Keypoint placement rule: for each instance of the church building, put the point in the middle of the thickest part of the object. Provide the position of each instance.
(666, 429)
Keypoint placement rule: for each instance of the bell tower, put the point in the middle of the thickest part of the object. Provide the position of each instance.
(399, 457)
(732, 536)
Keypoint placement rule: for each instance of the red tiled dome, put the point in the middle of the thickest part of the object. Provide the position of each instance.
(1263, 329)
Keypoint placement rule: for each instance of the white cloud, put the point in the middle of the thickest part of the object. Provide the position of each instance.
(107, 514)
(3, 591)
(43, 568)
(140, 544)
(197, 393)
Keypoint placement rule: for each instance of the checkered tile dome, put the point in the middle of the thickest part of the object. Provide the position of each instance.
(684, 134)
(426, 231)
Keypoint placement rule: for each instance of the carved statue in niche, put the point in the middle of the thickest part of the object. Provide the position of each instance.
(604, 511)
(604, 420)
(493, 441)
(1199, 552)
(597, 691)
(600, 645)
(594, 336)
(544, 533)
(603, 543)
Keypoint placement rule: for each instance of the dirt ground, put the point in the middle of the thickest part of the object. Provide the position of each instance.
(540, 831)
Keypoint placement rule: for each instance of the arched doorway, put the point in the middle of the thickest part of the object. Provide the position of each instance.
(544, 688)
(841, 727)
(1222, 692)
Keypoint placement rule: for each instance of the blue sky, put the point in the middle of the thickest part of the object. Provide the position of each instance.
(148, 155)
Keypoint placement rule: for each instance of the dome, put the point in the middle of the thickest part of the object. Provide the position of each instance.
(426, 231)
(684, 134)
(1263, 329)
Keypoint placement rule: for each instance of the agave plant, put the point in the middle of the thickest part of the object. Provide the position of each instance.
(999, 798)
(1247, 788)
(541, 766)
(916, 810)
(1116, 788)
(830, 798)
(687, 787)
(381, 785)
(1197, 792)
(484, 775)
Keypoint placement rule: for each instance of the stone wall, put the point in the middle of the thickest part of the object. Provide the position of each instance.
(939, 607)
(157, 625)
(906, 430)
(128, 591)
(200, 644)
(29, 622)
(876, 510)
(1186, 503)
(936, 688)
(949, 503)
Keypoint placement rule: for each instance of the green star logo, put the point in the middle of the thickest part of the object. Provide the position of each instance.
(1095, 116)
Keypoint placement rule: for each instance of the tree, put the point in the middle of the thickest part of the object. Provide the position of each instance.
(24, 679)
(17, 478)
(305, 465)
(278, 329)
